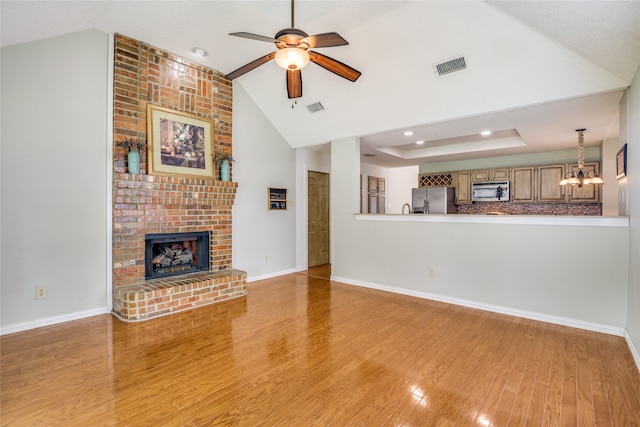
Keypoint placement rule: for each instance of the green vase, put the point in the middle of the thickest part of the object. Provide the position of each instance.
(133, 162)
(224, 170)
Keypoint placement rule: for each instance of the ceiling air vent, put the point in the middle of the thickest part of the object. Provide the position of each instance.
(450, 66)
(314, 108)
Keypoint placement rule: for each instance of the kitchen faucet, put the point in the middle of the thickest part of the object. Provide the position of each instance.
(408, 207)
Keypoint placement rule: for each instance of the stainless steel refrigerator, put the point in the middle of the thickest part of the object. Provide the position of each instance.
(433, 200)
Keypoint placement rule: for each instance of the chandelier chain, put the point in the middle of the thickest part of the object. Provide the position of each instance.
(580, 149)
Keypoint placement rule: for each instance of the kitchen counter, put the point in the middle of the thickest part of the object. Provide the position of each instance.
(589, 221)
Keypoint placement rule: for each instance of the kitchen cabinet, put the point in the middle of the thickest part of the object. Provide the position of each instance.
(436, 180)
(543, 185)
(523, 184)
(490, 175)
(381, 203)
(547, 188)
(372, 186)
(499, 174)
(480, 175)
(586, 193)
(376, 194)
(376, 185)
(463, 187)
(528, 184)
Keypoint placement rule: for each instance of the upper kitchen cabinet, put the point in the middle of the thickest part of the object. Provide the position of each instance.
(373, 185)
(528, 184)
(499, 174)
(490, 175)
(548, 188)
(480, 175)
(523, 184)
(463, 187)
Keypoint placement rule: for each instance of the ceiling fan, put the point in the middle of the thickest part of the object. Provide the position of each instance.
(293, 54)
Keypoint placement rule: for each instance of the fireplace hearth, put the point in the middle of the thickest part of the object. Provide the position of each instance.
(172, 254)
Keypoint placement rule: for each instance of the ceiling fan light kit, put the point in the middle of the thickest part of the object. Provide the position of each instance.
(291, 58)
(293, 54)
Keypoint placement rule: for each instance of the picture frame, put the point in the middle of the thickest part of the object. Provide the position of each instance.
(179, 143)
(621, 162)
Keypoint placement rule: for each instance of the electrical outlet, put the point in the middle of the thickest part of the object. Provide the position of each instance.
(41, 292)
(432, 273)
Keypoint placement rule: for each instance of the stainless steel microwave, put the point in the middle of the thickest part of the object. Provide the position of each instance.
(497, 191)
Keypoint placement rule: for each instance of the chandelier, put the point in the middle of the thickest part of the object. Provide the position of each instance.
(580, 177)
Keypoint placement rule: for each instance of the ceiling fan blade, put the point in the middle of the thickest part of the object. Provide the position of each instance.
(250, 66)
(325, 40)
(294, 84)
(334, 66)
(254, 37)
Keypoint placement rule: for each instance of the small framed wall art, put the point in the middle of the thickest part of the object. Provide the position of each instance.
(621, 162)
(179, 143)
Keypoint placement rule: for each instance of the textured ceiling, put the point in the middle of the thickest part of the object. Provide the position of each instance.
(541, 69)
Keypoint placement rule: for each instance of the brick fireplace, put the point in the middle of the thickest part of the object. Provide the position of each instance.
(156, 204)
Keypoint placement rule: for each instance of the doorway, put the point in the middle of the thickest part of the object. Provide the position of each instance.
(318, 218)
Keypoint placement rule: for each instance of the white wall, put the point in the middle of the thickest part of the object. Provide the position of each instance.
(264, 241)
(633, 183)
(55, 165)
(400, 181)
(343, 200)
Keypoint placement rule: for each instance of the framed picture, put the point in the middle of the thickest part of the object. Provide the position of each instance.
(621, 162)
(179, 143)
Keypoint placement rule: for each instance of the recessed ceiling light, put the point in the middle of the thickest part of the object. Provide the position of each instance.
(198, 51)
(485, 133)
(408, 133)
(420, 142)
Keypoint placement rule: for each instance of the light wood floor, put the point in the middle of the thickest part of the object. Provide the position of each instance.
(301, 351)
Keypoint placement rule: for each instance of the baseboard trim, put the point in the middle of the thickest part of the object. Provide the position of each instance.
(557, 320)
(48, 321)
(633, 349)
(272, 275)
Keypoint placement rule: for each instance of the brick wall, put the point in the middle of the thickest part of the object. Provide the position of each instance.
(166, 204)
(144, 74)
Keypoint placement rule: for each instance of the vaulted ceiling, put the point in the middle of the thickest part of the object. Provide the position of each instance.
(535, 70)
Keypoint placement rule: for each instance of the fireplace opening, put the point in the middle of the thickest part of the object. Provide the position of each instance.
(171, 254)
